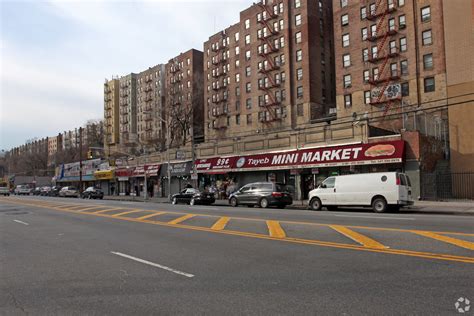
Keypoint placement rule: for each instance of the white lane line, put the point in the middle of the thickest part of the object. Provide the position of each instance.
(15, 220)
(378, 217)
(153, 264)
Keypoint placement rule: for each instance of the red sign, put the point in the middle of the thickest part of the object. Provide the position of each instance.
(347, 155)
(123, 172)
(151, 170)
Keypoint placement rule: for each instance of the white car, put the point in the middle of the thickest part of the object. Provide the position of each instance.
(381, 191)
(22, 189)
(69, 192)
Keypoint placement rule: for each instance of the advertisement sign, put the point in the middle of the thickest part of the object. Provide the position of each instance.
(104, 175)
(330, 156)
(151, 170)
(71, 171)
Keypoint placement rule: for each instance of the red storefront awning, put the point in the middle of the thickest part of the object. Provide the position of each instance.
(329, 156)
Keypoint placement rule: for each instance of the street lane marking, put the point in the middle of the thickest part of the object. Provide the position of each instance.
(221, 223)
(275, 230)
(359, 238)
(128, 212)
(89, 208)
(150, 215)
(377, 217)
(449, 240)
(189, 275)
(15, 220)
(103, 211)
(181, 219)
(75, 207)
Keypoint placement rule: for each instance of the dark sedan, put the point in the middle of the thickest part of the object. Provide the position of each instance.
(263, 194)
(92, 193)
(54, 191)
(192, 196)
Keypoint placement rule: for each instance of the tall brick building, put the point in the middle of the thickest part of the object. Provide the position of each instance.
(111, 115)
(128, 110)
(271, 71)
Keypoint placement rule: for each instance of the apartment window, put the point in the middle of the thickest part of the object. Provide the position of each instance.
(247, 24)
(345, 40)
(237, 50)
(248, 103)
(237, 106)
(375, 73)
(367, 97)
(298, 37)
(426, 14)
(237, 63)
(346, 60)
(188, 61)
(373, 30)
(365, 54)
(402, 21)
(394, 70)
(429, 84)
(364, 33)
(363, 13)
(247, 55)
(248, 87)
(237, 36)
(237, 91)
(345, 20)
(391, 24)
(297, 3)
(299, 73)
(248, 71)
(366, 76)
(347, 100)
(282, 41)
(347, 81)
(428, 61)
(299, 109)
(249, 119)
(237, 119)
(403, 44)
(405, 89)
(237, 77)
(298, 19)
(401, 3)
(404, 67)
(392, 45)
(427, 39)
(247, 39)
(299, 92)
(374, 51)
(299, 55)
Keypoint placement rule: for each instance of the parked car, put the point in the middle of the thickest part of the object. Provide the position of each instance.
(54, 191)
(22, 189)
(193, 196)
(45, 191)
(36, 191)
(4, 191)
(69, 192)
(263, 194)
(381, 191)
(92, 193)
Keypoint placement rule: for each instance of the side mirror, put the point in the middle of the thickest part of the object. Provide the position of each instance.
(323, 186)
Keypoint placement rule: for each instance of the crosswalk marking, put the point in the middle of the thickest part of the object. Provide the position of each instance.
(221, 223)
(127, 212)
(181, 219)
(359, 238)
(275, 230)
(150, 215)
(87, 208)
(450, 240)
(106, 210)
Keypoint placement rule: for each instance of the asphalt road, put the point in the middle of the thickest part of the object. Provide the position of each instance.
(75, 257)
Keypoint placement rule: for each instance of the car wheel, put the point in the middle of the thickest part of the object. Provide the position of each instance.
(315, 204)
(174, 201)
(234, 202)
(379, 205)
(192, 202)
(263, 203)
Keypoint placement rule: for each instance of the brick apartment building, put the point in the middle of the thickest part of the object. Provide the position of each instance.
(111, 115)
(54, 146)
(128, 110)
(271, 71)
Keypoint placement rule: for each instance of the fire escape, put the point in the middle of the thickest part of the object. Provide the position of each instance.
(269, 45)
(385, 91)
(220, 91)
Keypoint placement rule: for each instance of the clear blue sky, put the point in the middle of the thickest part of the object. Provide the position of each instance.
(55, 55)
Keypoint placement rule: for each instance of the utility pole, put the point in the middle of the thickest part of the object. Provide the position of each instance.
(80, 159)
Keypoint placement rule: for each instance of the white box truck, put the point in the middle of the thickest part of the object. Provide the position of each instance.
(382, 191)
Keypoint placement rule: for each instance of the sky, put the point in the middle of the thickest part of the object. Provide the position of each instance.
(55, 55)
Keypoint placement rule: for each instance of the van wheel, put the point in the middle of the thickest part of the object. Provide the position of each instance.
(315, 204)
(263, 203)
(233, 202)
(379, 205)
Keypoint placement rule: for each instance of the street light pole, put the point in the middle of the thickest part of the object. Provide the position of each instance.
(80, 160)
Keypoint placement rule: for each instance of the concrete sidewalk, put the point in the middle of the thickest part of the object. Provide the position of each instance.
(464, 207)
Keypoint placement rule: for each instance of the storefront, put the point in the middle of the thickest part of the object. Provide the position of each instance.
(180, 177)
(105, 181)
(305, 168)
(122, 176)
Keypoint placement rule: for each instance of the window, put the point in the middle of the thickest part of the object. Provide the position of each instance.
(237, 91)
(299, 73)
(425, 14)
(428, 61)
(394, 70)
(298, 37)
(247, 39)
(366, 76)
(366, 97)
(237, 119)
(248, 87)
(247, 24)
(237, 106)
(429, 84)
(347, 81)
(299, 55)
(346, 60)
(404, 67)
(247, 55)
(427, 39)
(344, 3)
(403, 44)
(365, 54)
(402, 21)
(392, 45)
(363, 13)
(297, 3)
(249, 118)
(236, 36)
(345, 20)
(364, 33)
(329, 183)
(237, 63)
(345, 40)
(405, 89)
(347, 100)
(391, 24)
(248, 71)
(401, 3)
(299, 109)
(237, 50)
(299, 92)
(375, 73)
(248, 103)
(298, 19)
(237, 77)
(374, 51)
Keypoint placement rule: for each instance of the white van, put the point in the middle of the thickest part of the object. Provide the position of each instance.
(382, 190)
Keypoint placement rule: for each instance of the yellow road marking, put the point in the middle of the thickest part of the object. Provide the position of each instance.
(150, 215)
(449, 240)
(181, 219)
(221, 223)
(359, 238)
(88, 208)
(103, 211)
(275, 230)
(128, 212)
(74, 207)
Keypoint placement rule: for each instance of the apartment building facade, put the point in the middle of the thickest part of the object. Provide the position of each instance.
(111, 115)
(128, 111)
(54, 146)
